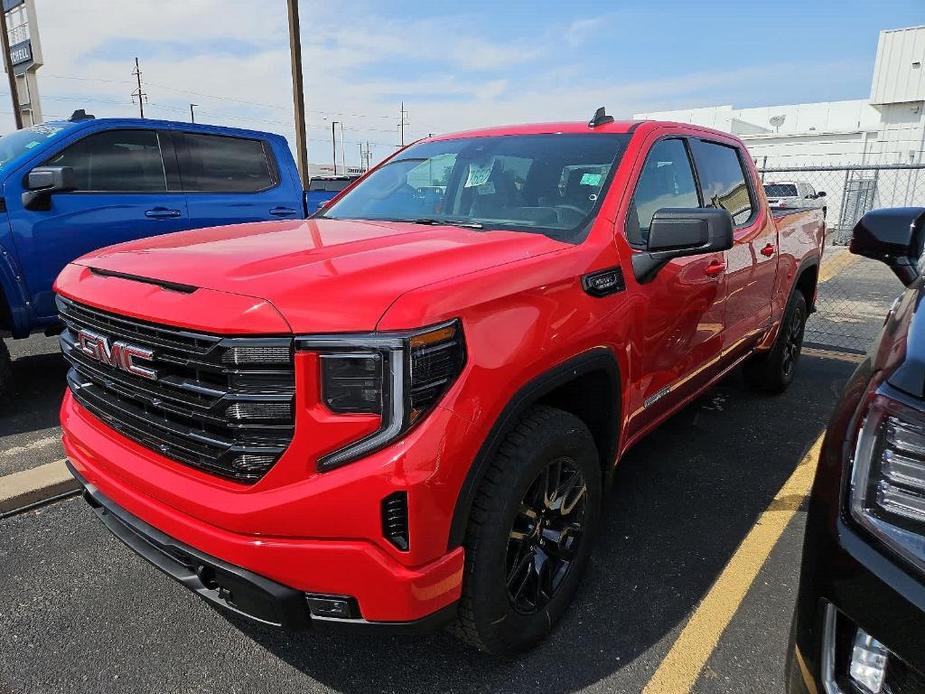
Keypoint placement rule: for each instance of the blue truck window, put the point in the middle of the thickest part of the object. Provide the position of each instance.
(116, 161)
(218, 164)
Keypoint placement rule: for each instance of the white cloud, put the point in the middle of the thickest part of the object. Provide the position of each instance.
(356, 62)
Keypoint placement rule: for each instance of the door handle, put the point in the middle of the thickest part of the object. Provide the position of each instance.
(768, 250)
(715, 268)
(282, 211)
(162, 213)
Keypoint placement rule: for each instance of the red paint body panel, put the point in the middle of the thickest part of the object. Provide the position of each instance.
(523, 311)
(300, 266)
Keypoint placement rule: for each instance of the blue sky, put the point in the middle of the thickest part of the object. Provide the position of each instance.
(455, 65)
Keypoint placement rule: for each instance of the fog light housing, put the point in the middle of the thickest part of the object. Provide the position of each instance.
(869, 660)
(331, 606)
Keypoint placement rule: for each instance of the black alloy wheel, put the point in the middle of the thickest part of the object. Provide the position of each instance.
(545, 536)
(794, 341)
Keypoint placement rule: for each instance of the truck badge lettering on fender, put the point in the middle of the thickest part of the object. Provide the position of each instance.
(604, 282)
(120, 355)
(656, 396)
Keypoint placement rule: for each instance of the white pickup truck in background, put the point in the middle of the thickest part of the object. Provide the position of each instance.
(794, 194)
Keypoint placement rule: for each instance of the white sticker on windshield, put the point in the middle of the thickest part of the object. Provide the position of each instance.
(478, 174)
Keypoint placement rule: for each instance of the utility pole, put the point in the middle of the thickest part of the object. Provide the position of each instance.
(298, 92)
(192, 115)
(334, 145)
(360, 144)
(343, 155)
(8, 63)
(401, 123)
(142, 96)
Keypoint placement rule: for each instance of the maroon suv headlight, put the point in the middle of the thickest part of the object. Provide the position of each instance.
(399, 376)
(887, 495)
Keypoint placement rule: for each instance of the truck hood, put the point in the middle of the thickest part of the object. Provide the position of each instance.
(321, 275)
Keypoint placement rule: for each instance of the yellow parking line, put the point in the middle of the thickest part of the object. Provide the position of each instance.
(835, 265)
(821, 353)
(681, 667)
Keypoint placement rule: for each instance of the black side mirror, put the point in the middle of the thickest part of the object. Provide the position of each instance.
(820, 194)
(675, 233)
(52, 178)
(893, 236)
(42, 181)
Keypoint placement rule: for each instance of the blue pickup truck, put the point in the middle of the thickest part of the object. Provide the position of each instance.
(75, 185)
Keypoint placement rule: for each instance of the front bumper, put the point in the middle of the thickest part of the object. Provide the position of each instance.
(234, 588)
(848, 583)
(383, 586)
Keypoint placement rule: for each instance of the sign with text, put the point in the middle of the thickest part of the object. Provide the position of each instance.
(21, 52)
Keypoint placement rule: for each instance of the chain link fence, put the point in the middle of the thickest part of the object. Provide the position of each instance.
(854, 293)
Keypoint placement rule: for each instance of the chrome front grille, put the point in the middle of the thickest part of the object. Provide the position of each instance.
(220, 404)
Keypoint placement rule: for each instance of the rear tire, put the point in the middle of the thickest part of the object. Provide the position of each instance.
(773, 372)
(7, 384)
(530, 532)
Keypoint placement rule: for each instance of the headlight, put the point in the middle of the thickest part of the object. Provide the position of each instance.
(399, 376)
(888, 478)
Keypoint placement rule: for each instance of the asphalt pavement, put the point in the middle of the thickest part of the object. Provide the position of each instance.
(81, 613)
(29, 432)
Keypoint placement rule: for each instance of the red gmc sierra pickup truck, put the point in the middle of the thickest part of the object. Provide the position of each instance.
(404, 411)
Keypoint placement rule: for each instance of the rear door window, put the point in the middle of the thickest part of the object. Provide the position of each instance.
(722, 179)
(780, 190)
(666, 181)
(116, 161)
(221, 164)
(322, 185)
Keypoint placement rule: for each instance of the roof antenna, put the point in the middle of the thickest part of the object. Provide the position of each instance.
(600, 118)
(79, 115)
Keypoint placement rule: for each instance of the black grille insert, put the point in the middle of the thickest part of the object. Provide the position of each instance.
(395, 519)
(229, 416)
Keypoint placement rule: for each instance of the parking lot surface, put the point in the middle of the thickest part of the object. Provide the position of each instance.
(29, 433)
(81, 613)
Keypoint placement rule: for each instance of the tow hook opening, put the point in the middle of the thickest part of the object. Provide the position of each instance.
(206, 576)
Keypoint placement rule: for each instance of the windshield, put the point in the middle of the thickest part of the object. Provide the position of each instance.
(549, 184)
(16, 144)
(780, 190)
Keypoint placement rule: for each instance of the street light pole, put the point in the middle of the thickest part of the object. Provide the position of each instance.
(8, 62)
(334, 144)
(298, 92)
(192, 116)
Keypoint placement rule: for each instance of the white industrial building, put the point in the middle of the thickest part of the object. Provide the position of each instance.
(886, 129)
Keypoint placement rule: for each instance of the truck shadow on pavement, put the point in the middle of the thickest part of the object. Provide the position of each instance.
(40, 383)
(682, 502)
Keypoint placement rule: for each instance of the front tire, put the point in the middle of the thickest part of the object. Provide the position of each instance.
(530, 532)
(773, 372)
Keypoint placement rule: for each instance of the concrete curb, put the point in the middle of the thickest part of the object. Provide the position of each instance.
(33, 486)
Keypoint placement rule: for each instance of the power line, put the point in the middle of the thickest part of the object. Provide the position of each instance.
(222, 97)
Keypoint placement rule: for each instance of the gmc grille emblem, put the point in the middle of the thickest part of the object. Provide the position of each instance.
(120, 355)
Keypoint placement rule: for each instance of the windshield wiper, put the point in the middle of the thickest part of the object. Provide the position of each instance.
(447, 222)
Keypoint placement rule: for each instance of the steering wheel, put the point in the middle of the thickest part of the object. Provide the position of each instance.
(571, 208)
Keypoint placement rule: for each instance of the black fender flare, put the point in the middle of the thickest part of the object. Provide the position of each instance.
(596, 359)
(805, 264)
(812, 261)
